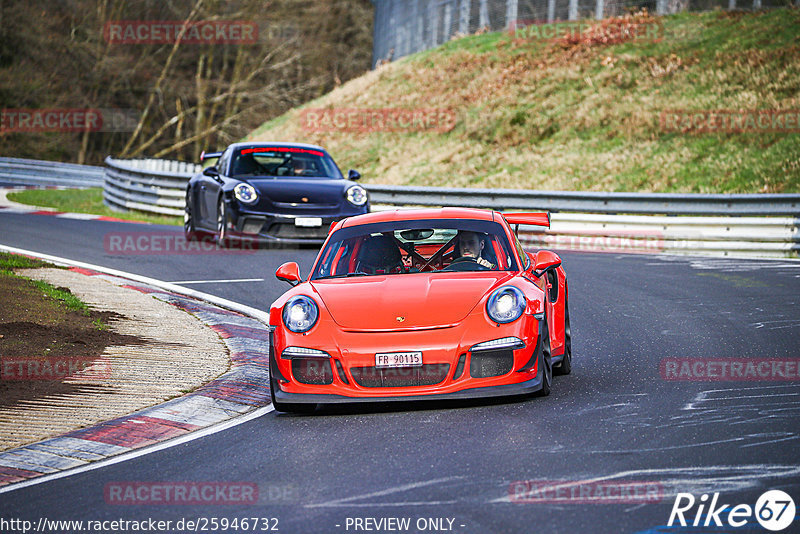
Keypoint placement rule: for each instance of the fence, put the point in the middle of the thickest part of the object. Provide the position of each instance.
(719, 225)
(16, 171)
(580, 221)
(403, 27)
(154, 186)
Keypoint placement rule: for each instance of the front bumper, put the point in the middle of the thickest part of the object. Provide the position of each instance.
(456, 370)
(507, 390)
(283, 227)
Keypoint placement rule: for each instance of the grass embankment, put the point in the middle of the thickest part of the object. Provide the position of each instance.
(534, 113)
(27, 297)
(47, 334)
(83, 201)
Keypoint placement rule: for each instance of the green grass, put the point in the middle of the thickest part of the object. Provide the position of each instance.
(64, 296)
(539, 114)
(84, 201)
(9, 262)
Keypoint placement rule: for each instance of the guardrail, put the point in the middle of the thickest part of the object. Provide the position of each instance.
(153, 186)
(589, 202)
(19, 171)
(735, 225)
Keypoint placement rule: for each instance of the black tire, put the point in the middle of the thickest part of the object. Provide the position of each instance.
(222, 224)
(545, 363)
(565, 366)
(189, 229)
(288, 407)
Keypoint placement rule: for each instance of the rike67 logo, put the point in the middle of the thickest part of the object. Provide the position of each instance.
(774, 510)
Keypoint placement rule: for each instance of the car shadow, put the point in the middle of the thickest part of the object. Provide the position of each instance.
(360, 408)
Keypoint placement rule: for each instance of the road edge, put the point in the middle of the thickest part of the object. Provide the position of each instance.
(235, 397)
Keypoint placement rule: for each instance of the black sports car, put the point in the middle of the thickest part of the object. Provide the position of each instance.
(271, 192)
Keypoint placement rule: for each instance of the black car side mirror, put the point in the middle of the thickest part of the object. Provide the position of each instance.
(353, 175)
(211, 172)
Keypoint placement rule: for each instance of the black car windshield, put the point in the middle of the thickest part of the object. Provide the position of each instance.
(294, 162)
(406, 247)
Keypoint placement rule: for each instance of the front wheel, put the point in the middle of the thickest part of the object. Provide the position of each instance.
(222, 223)
(189, 229)
(545, 363)
(565, 367)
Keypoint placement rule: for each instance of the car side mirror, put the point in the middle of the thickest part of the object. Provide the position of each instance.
(545, 260)
(211, 171)
(353, 175)
(289, 272)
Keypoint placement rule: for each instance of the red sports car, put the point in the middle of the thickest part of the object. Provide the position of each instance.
(420, 304)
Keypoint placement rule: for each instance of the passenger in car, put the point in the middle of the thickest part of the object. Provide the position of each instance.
(379, 255)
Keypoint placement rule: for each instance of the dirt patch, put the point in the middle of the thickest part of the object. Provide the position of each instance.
(66, 369)
(43, 343)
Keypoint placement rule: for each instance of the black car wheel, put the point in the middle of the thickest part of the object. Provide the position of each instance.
(222, 223)
(565, 367)
(189, 230)
(545, 359)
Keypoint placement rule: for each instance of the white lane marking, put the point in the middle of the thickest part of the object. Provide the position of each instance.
(706, 395)
(697, 480)
(167, 286)
(219, 281)
(79, 216)
(235, 306)
(397, 489)
(143, 451)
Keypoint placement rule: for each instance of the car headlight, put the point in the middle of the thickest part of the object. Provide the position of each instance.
(506, 304)
(356, 195)
(300, 314)
(245, 193)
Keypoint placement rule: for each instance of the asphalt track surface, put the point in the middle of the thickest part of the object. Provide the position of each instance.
(613, 419)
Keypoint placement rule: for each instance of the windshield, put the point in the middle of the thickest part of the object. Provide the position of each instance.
(408, 247)
(284, 161)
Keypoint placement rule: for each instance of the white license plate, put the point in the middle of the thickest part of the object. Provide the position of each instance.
(398, 359)
(308, 221)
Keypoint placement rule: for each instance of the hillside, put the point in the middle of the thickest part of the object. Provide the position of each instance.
(581, 113)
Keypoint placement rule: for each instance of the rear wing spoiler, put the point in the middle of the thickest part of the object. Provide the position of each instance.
(209, 155)
(534, 219)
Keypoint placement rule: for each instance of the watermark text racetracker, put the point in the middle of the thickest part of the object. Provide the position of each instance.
(168, 32)
(730, 369)
(623, 241)
(158, 243)
(67, 120)
(54, 368)
(615, 30)
(711, 121)
(363, 120)
(176, 493)
(585, 491)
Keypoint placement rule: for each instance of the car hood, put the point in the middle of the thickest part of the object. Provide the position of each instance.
(295, 190)
(405, 302)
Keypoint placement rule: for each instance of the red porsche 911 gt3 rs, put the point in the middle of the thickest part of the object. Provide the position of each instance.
(420, 304)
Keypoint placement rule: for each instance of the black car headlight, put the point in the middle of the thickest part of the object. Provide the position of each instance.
(356, 195)
(245, 193)
(506, 304)
(300, 314)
